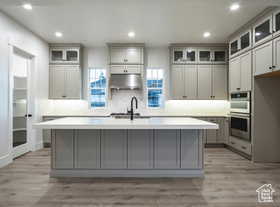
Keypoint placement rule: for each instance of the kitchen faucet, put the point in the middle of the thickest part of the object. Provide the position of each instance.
(131, 106)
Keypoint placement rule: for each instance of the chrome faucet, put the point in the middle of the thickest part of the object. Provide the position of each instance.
(131, 107)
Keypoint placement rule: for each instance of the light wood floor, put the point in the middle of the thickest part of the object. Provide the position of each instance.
(230, 180)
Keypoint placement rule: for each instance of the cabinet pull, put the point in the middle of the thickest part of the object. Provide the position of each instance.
(273, 66)
(63, 96)
(238, 89)
(243, 147)
(270, 68)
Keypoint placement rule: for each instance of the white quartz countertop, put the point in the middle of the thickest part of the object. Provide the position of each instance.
(113, 123)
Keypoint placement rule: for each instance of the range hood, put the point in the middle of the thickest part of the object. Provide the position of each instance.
(126, 81)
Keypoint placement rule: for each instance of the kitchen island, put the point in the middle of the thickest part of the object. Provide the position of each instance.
(111, 147)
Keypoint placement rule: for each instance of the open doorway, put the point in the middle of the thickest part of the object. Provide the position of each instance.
(21, 107)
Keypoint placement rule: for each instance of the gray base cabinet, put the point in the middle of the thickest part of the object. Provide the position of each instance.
(152, 153)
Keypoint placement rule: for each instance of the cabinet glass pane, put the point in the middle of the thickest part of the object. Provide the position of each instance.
(245, 40)
(204, 56)
(234, 47)
(190, 55)
(219, 56)
(277, 22)
(178, 56)
(72, 55)
(57, 55)
(262, 31)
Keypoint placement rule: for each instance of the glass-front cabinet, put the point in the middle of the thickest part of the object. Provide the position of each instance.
(65, 55)
(184, 55)
(262, 31)
(245, 40)
(178, 55)
(204, 56)
(234, 47)
(276, 20)
(219, 56)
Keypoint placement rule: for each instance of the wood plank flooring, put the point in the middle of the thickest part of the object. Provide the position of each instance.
(230, 181)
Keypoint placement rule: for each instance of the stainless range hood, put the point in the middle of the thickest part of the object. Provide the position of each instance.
(126, 81)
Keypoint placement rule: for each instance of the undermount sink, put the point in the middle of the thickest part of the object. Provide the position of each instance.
(128, 117)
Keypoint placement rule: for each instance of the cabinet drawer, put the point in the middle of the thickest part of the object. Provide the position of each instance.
(122, 69)
(240, 145)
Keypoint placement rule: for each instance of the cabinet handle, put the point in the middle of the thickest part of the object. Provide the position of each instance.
(238, 89)
(63, 96)
(270, 68)
(243, 147)
(273, 66)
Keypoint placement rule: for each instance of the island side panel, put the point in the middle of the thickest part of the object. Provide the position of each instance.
(140, 149)
(114, 149)
(166, 149)
(63, 148)
(191, 149)
(87, 149)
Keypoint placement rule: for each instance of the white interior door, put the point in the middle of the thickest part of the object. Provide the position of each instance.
(20, 98)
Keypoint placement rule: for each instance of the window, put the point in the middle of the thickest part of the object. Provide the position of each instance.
(155, 88)
(97, 87)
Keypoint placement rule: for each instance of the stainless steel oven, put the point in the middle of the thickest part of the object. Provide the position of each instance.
(240, 126)
(240, 102)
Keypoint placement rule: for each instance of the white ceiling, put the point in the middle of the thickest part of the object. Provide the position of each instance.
(155, 22)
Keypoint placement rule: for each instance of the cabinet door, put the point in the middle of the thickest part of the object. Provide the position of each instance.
(190, 80)
(178, 55)
(57, 82)
(211, 134)
(178, 86)
(234, 75)
(221, 130)
(167, 148)
(245, 40)
(262, 59)
(246, 71)
(219, 56)
(204, 82)
(262, 30)
(114, 149)
(63, 143)
(219, 73)
(87, 149)
(204, 56)
(72, 82)
(234, 47)
(190, 145)
(134, 56)
(57, 55)
(276, 25)
(191, 56)
(72, 55)
(118, 55)
(276, 47)
(140, 149)
(118, 69)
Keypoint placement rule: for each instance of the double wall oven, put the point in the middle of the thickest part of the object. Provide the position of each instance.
(240, 115)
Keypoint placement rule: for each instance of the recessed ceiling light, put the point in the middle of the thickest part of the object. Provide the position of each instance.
(27, 6)
(131, 34)
(234, 7)
(58, 34)
(206, 34)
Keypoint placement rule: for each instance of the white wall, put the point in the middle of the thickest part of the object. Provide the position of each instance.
(155, 58)
(18, 36)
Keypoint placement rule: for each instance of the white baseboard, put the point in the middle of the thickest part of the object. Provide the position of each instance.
(5, 160)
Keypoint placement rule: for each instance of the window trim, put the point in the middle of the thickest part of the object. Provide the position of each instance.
(162, 88)
(89, 89)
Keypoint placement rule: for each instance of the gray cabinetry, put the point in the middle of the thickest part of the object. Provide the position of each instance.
(114, 149)
(204, 82)
(140, 149)
(190, 152)
(63, 54)
(63, 152)
(167, 149)
(126, 55)
(65, 82)
(240, 73)
(263, 58)
(87, 149)
(184, 82)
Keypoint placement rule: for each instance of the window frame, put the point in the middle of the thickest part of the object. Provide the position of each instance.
(162, 105)
(89, 89)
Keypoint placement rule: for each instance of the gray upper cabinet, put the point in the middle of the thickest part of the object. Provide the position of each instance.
(126, 55)
(205, 56)
(204, 82)
(240, 73)
(184, 55)
(276, 23)
(240, 43)
(262, 30)
(234, 47)
(184, 82)
(263, 59)
(65, 54)
(219, 82)
(276, 51)
(212, 82)
(65, 82)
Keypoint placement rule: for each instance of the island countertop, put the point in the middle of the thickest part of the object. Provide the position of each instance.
(114, 123)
